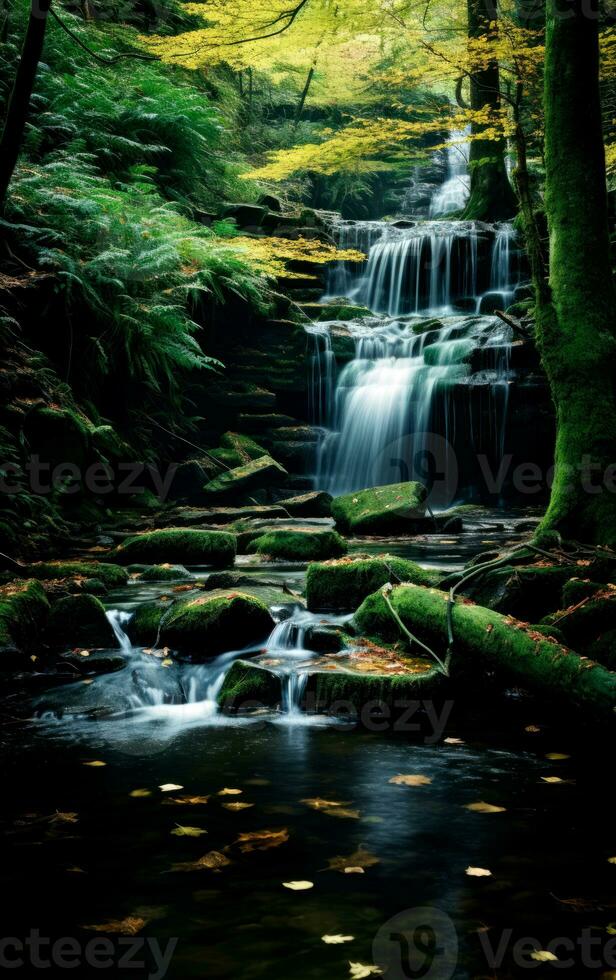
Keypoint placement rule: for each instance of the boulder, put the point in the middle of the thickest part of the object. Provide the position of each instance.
(396, 509)
(248, 686)
(236, 450)
(246, 215)
(79, 621)
(144, 625)
(526, 592)
(317, 503)
(188, 546)
(99, 662)
(163, 573)
(307, 544)
(342, 585)
(261, 473)
(112, 576)
(23, 613)
(216, 623)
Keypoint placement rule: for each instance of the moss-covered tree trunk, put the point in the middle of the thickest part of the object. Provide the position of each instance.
(576, 323)
(491, 198)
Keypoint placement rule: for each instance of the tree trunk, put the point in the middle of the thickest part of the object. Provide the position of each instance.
(492, 198)
(19, 101)
(576, 326)
(303, 97)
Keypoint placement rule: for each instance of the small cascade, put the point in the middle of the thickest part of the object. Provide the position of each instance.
(323, 375)
(454, 193)
(118, 619)
(293, 688)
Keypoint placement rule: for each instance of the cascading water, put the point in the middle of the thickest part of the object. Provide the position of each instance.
(454, 193)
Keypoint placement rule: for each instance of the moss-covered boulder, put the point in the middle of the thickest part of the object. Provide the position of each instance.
(258, 474)
(163, 573)
(248, 686)
(526, 592)
(340, 586)
(79, 621)
(143, 627)
(215, 623)
(185, 546)
(396, 509)
(587, 619)
(237, 450)
(577, 590)
(603, 649)
(344, 689)
(299, 545)
(317, 503)
(98, 662)
(24, 610)
(112, 576)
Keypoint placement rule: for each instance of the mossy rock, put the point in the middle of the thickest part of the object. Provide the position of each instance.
(109, 444)
(299, 545)
(317, 503)
(603, 649)
(248, 686)
(79, 621)
(112, 576)
(392, 509)
(144, 625)
(592, 617)
(24, 610)
(188, 546)
(216, 623)
(340, 586)
(336, 311)
(99, 662)
(327, 689)
(578, 589)
(239, 449)
(526, 592)
(262, 473)
(163, 573)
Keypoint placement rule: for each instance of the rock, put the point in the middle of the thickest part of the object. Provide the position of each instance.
(336, 311)
(603, 649)
(58, 436)
(352, 692)
(237, 450)
(201, 517)
(112, 576)
(246, 215)
(270, 202)
(24, 610)
(324, 638)
(528, 593)
(188, 546)
(307, 544)
(260, 473)
(98, 662)
(216, 623)
(79, 621)
(317, 503)
(340, 586)
(261, 423)
(144, 625)
(381, 510)
(191, 476)
(248, 686)
(163, 573)
(577, 589)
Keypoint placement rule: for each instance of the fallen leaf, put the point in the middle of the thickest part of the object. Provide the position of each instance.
(412, 780)
(75, 871)
(478, 872)
(353, 871)
(167, 662)
(359, 859)
(187, 800)
(123, 927)
(60, 817)
(316, 803)
(543, 956)
(482, 807)
(532, 729)
(237, 806)
(169, 787)
(551, 779)
(298, 886)
(611, 929)
(84, 653)
(336, 940)
(611, 860)
(262, 840)
(181, 831)
(359, 971)
(229, 792)
(557, 756)
(95, 764)
(88, 680)
(212, 861)
(138, 794)
(453, 741)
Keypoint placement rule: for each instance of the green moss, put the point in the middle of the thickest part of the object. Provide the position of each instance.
(178, 545)
(343, 585)
(591, 618)
(257, 474)
(603, 649)
(79, 621)
(317, 503)
(113, 576)
(578, 589)
(164, 573)
(216, 623)
(326, 687)
(23, 613)
(336, 311)
(381, 510)
(144, 625)
(525, 592)
(300, 545)
(247, 685)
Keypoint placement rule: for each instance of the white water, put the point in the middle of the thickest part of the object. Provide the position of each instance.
(454, 193)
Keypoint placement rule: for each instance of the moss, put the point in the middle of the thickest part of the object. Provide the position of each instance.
(482, 636)
(324, 688)
(304, 545)
(178, 545)
(113, 576)
(145, 500)
(578, 589)
(163, 573)
(247, 685)
(380, 510)
(549, 631)
(336, 311)
(584, 622)
(23, 613)
(342, 585)
(79, 621)
(216, 623)
(603, 649)
(317, 503)
(257, 474)
(144, 625)
(525, 592)
(522, 308)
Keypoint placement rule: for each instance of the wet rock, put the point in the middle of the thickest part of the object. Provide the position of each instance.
(341, 586)
(193, 516)
(112, 576)
(248, 686)
(188, 546)
(317, 503)
(324, 638)
(79, 621)
(305, 544)
(24, 610)
(258, 474)
(215, 623)
(163, 573)
(528, 593)
(144, 625)
(399, 508)
(98, 662)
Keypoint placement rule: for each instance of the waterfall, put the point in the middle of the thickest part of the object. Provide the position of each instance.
(454, 193)
(323, 375)
(118, 620)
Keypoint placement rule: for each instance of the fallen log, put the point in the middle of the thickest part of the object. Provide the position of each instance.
(525, 656)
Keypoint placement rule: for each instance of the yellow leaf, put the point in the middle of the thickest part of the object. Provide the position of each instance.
(336, 939)
(353, 871)
(412, 780)
(123, 927)
(212, 861)
(478, 872)
(187, 800)
(167, 662)
(557, 756)
(551, 779)
(229, 792)
(298, 886)
(316, 803)
(359, 971)
(237, 806)
(60, 817)
(96, 764)
(358, 859)
(262, 840)
(482, 807)
(543, 956)
(453, 741)
(532, 729)
(611, 860)
(138, 794)
(169, 787)
(181, 831)
(84, 653)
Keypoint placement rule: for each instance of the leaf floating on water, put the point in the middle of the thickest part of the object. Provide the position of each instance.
(482, 807)
(316, 803)
(453, 741)
(187, 800)
(75, 871)
(298, 886)
(532, 729)
(557, 756)
(169, 787)
(229, 792)
(336, 940)
(551, 779)
(478, 872)
(359, 971)
(262, 840)
(415, 779)
(167, 662)
(60, 817)
(88, 680)
(212, 861)
(354, 863)
(257, 781)
(611, 860)
(342, 811)
(95, 764)
(543, 956)
(181, 831)
(138, 794)
(611, 929)
(123, 927)
(84, 653)
(237, 806)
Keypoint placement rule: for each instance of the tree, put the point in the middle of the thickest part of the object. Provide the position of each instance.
(576, 320)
